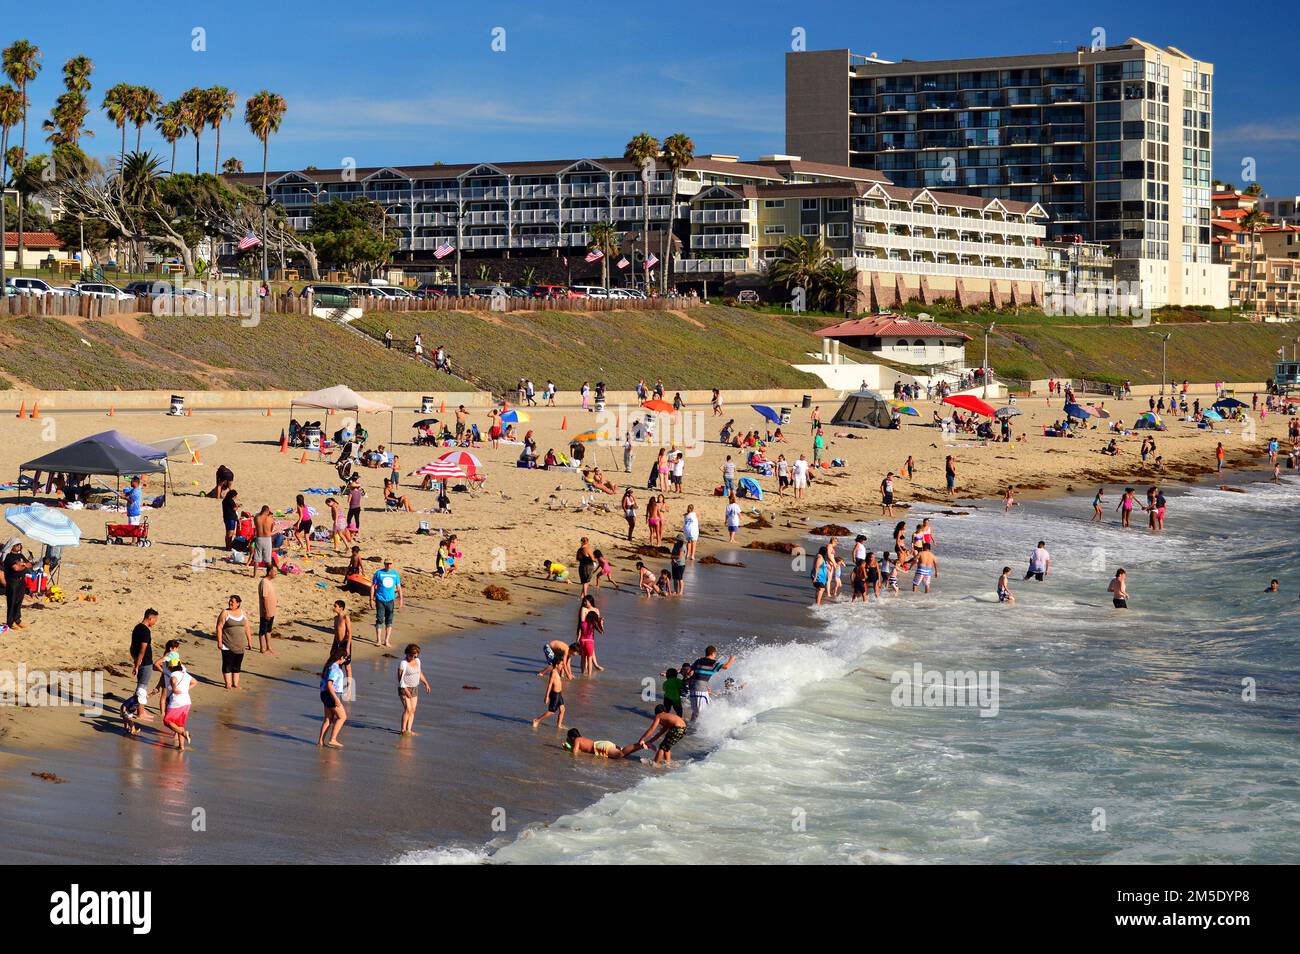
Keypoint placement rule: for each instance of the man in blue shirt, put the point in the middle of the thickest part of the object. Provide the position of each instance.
(704, 669)
(385, 593)
(133, 502)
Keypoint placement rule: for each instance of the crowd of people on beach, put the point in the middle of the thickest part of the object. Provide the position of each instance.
(263, 541)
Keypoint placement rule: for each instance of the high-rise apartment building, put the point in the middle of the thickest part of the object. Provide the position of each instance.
(1114, 143)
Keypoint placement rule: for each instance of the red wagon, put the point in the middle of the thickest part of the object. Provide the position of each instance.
(122, 532)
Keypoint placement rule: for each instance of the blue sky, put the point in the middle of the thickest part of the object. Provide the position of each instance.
(396, 82)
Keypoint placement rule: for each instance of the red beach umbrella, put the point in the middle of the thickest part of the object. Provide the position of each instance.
(968, 402)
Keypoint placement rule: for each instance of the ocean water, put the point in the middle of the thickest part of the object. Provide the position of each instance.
(1166, 733)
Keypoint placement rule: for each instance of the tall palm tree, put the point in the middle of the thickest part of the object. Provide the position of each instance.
(67, 123)
(141, 107)
(679, 150)
(263, 113)
(218, 106)
(1252, 222)
(606, 238)
(22, 61)
(232, 166)
(195, 117)
(170, 122)
(117, 104)
(11, 114)
(642, 150)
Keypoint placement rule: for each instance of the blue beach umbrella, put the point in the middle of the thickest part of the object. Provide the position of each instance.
(44, 525)
(1078, 410)
(751, 487)
(1230, 403)
(767, 412)
(1211, 415)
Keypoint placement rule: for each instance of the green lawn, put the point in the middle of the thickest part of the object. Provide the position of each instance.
(282, 352)
(704, 347)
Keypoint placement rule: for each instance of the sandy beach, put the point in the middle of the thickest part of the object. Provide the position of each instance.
(506, 530)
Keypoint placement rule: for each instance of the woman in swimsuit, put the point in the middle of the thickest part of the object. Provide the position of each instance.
(395, 500)
(587, 630)
(1126, 504)
(339, 532)
(1096, 505)
(653, 521)
(302, 529)
(578, 744)
(821, 575)
(410, 677)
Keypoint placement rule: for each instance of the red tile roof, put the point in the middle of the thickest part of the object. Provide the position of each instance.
(889, 326)
(46, 240)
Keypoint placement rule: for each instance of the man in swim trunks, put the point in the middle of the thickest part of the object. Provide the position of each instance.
(554, 698)
(670, 726)
(578, 744)
(558, 654)
(927, 569)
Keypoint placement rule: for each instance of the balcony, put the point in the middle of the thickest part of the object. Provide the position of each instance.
(721, 216)
(731, 240)
(915, 243)
(716, 265)
(547, 191)
(865, 264)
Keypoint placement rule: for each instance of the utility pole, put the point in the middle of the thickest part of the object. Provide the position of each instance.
(987, 331)
(1164, 354)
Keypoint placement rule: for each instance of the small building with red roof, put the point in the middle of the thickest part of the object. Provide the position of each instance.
(901, 338)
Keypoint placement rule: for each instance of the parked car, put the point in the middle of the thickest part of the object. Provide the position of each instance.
(429, 291)
(591, 291)
(365, 292)
(332, 296)
(67, 291)
(29, 286)
(101, 290)
(392, 291)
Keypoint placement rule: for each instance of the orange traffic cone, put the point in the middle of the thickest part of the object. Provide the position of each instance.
(564, 423)
(189, 412)
(35, 413)
(268, 412)
(22, 409)
(303, 458)
(442, 407)
(284, 442)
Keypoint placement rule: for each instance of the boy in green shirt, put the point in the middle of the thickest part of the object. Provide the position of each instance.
(673, 686)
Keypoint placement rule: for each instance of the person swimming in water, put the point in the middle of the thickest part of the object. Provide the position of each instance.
(1004, 586)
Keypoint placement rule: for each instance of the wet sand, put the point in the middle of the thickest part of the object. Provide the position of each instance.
(268, 794)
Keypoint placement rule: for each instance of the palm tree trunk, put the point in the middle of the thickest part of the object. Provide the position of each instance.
(668, 238)
(139, 131)
(173, 165)
(216, 160)
(196, 153)
(22, 206)
(4, 177)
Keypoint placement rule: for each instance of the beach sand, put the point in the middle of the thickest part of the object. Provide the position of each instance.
(519, 519)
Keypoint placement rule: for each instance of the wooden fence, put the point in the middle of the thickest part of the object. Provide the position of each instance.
(88, 307)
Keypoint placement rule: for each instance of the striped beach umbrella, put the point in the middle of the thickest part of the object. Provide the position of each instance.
(513, 416)
(464, 460)
(441, 470)
(44, 525)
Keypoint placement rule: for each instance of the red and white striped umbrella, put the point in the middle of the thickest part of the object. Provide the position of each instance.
(442, 470)
(463, 459)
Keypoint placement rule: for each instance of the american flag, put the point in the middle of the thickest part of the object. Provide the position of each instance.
(595, 255)
(443, 250)
(249, 241)
(622, 263)
(652, 261)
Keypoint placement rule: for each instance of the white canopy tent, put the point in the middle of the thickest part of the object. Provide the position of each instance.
(343, 398)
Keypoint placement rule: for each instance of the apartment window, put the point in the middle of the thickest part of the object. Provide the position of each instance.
(810, 231)
(774, 230)
(837, 230)
(774, 203)
(837, 205)
(808, 205)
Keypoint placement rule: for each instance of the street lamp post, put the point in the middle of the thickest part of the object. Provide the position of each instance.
(985, 367)
(1164, 355)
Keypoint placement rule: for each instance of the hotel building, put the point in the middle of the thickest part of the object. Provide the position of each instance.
(1114, 144)
(1263, 267)
(727, 218)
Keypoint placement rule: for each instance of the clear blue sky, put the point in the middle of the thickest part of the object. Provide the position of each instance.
(393, 81)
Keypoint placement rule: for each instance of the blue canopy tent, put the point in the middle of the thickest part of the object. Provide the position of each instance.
(751, 487)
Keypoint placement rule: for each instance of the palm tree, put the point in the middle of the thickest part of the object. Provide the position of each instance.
(679, 150)
(22, 61)
(1252, 222)
(170, 123)
(232, 166)
(837, 288)
(218, 106)
(117, 103)
(76, 74)
(642, 150)
(799, 266)
(141, 179)
(194, 116)
(263, 114)
(606, 238)
(141, 107)
(11, 114)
